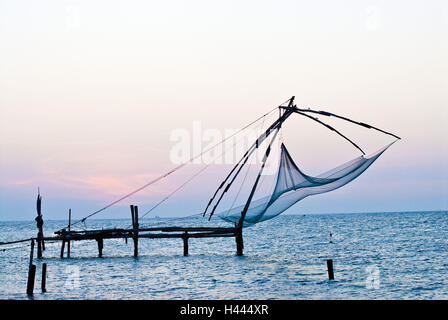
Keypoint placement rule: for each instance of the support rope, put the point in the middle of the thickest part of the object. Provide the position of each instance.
(171, 171)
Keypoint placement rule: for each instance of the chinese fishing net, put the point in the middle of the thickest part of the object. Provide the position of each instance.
(292, 185)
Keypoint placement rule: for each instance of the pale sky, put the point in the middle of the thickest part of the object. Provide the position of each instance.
(91, 91)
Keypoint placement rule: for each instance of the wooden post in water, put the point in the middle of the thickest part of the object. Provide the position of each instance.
(185, 238)
(44, 277)
(62, 249)
(134, 213)
(330, 269)
(239, 241)
(31, 272)
(136, 231)
(39, 245)
(100, 247)
(69, 223)
(40, 224)
(30, 284)
(31, 252)
(133, 222)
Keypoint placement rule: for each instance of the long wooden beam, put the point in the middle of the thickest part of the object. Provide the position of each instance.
(162, 229)
(143, 235)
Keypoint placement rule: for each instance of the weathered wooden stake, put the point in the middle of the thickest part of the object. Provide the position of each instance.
(30, 283)
(132, 215)
(330, 269)
(31, 253)
(31, 272)
(134, 211)
(185, 238)
(39, 246)
(62, 249)
(136, 231)
(239, 241)
(69, 223)
(44, 277)
(40, 223)
(100, 247)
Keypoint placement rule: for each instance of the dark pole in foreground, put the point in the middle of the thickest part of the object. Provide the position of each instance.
(69, 223)
(31, 252)
(185, 237)
(44, 277)
(31, 272)
(62, 248)
(275, 129)
(39, 246)
(30, 284)
(134, 213)
(100, 247)
(330, 269)
(136, 231)
(40, 223)
(239, 241)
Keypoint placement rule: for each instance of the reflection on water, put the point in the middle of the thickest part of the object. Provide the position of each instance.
(376, 256)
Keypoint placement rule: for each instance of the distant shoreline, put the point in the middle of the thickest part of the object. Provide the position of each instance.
(286, 214)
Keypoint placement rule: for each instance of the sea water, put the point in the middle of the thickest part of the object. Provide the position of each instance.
(402, 255)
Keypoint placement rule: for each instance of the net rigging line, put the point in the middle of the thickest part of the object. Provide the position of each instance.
(174, 191)
(365, 125)
(169, 220)
(239, 190)
(274, 126)
(12, 248)
(237, 173)
(244, 179)
(273, 183)
(244, 159)
(331, 128)
(328, 114)
(16, 241)
(248, 167)
(172, 170)
(195, 175)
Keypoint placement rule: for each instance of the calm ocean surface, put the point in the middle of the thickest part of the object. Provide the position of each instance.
(376, 256)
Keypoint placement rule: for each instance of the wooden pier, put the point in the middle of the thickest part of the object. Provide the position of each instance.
(136, 232)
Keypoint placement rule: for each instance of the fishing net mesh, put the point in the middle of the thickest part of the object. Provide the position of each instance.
(292, 185)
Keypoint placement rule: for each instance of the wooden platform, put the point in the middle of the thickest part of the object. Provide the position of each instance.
(151, 233)
(136, 232)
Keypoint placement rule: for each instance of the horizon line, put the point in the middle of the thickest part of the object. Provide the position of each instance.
(286, 214)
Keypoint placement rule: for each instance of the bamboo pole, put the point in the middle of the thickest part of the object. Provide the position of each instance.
(239, 241)
(100, 247)
(40, 223)
(69, 223)
(62, 249)
(32, 252)
(31, 272)
(44, 277)
(135, 231)
(330, 269)
(185, 238)
(31, 276)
